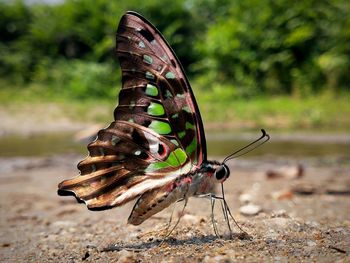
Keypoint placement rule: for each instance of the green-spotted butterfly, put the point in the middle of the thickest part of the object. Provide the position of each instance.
(155, 149)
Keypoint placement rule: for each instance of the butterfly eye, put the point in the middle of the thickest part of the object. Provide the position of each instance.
(222, 172)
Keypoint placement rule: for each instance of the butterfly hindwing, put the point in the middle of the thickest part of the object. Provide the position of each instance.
(125, 161)
(157, 135)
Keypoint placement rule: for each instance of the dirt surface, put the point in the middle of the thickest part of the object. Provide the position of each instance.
(305, 218)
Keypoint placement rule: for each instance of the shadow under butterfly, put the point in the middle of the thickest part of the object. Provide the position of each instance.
(155, 149)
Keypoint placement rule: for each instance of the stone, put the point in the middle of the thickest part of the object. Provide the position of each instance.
(250, 210)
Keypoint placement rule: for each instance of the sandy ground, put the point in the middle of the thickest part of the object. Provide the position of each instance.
(302, 219)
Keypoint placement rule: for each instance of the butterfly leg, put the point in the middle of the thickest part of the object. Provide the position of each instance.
(216, 231)
(226, 212)
(224, 208)
(234, 220)
(177, 222)
(171, 216)
(212, 216)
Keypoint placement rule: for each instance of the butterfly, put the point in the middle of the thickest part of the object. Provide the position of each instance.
(155, 149)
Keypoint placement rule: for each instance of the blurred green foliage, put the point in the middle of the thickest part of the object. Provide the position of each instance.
(229, 48)
(276, 47)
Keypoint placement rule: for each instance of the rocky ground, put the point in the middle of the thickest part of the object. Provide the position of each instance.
(290, 214)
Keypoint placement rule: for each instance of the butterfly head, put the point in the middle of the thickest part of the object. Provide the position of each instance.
(222, 172)
(219, 172)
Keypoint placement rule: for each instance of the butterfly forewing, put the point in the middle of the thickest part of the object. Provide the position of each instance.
(156, 93)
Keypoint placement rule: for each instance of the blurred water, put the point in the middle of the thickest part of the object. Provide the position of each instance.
(288, 145)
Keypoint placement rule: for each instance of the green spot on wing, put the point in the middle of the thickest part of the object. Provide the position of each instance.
(181, 134)
(175, 159)
(155, 109)
(160, 127)
(176, 115)
(175, 142)
(102, 152)
(170, 75)
(189, 125)
(115, 140)
(149, 75)
(151, 90)
(168, 94)
(156, 166)
(187, 109)
(192, 147)
(180, 155)
(165, 58)
(147, 59)
(172, 160)
(132, 104)
(181, 95)
(141, 44)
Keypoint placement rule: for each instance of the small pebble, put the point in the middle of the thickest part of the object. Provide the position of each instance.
(217, 259)
(90, 245)
(191, 219)
(282, 195)
(245, 198)
(279, 223)
(250, 210)
(304, 189)
(280, 213)
(288, 172)
(311, 243)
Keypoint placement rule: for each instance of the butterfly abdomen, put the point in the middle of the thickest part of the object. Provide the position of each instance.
(158, 199)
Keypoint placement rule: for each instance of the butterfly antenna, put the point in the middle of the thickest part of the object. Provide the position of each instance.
(250, 147)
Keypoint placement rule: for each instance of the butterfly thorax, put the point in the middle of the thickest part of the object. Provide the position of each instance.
(203, 180)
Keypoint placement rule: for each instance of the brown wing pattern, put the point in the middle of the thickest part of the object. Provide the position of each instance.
(117, 169)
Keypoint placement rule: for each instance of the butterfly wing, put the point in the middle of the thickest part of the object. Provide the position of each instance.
(157, 134)
(124, 161)
(153, 79)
